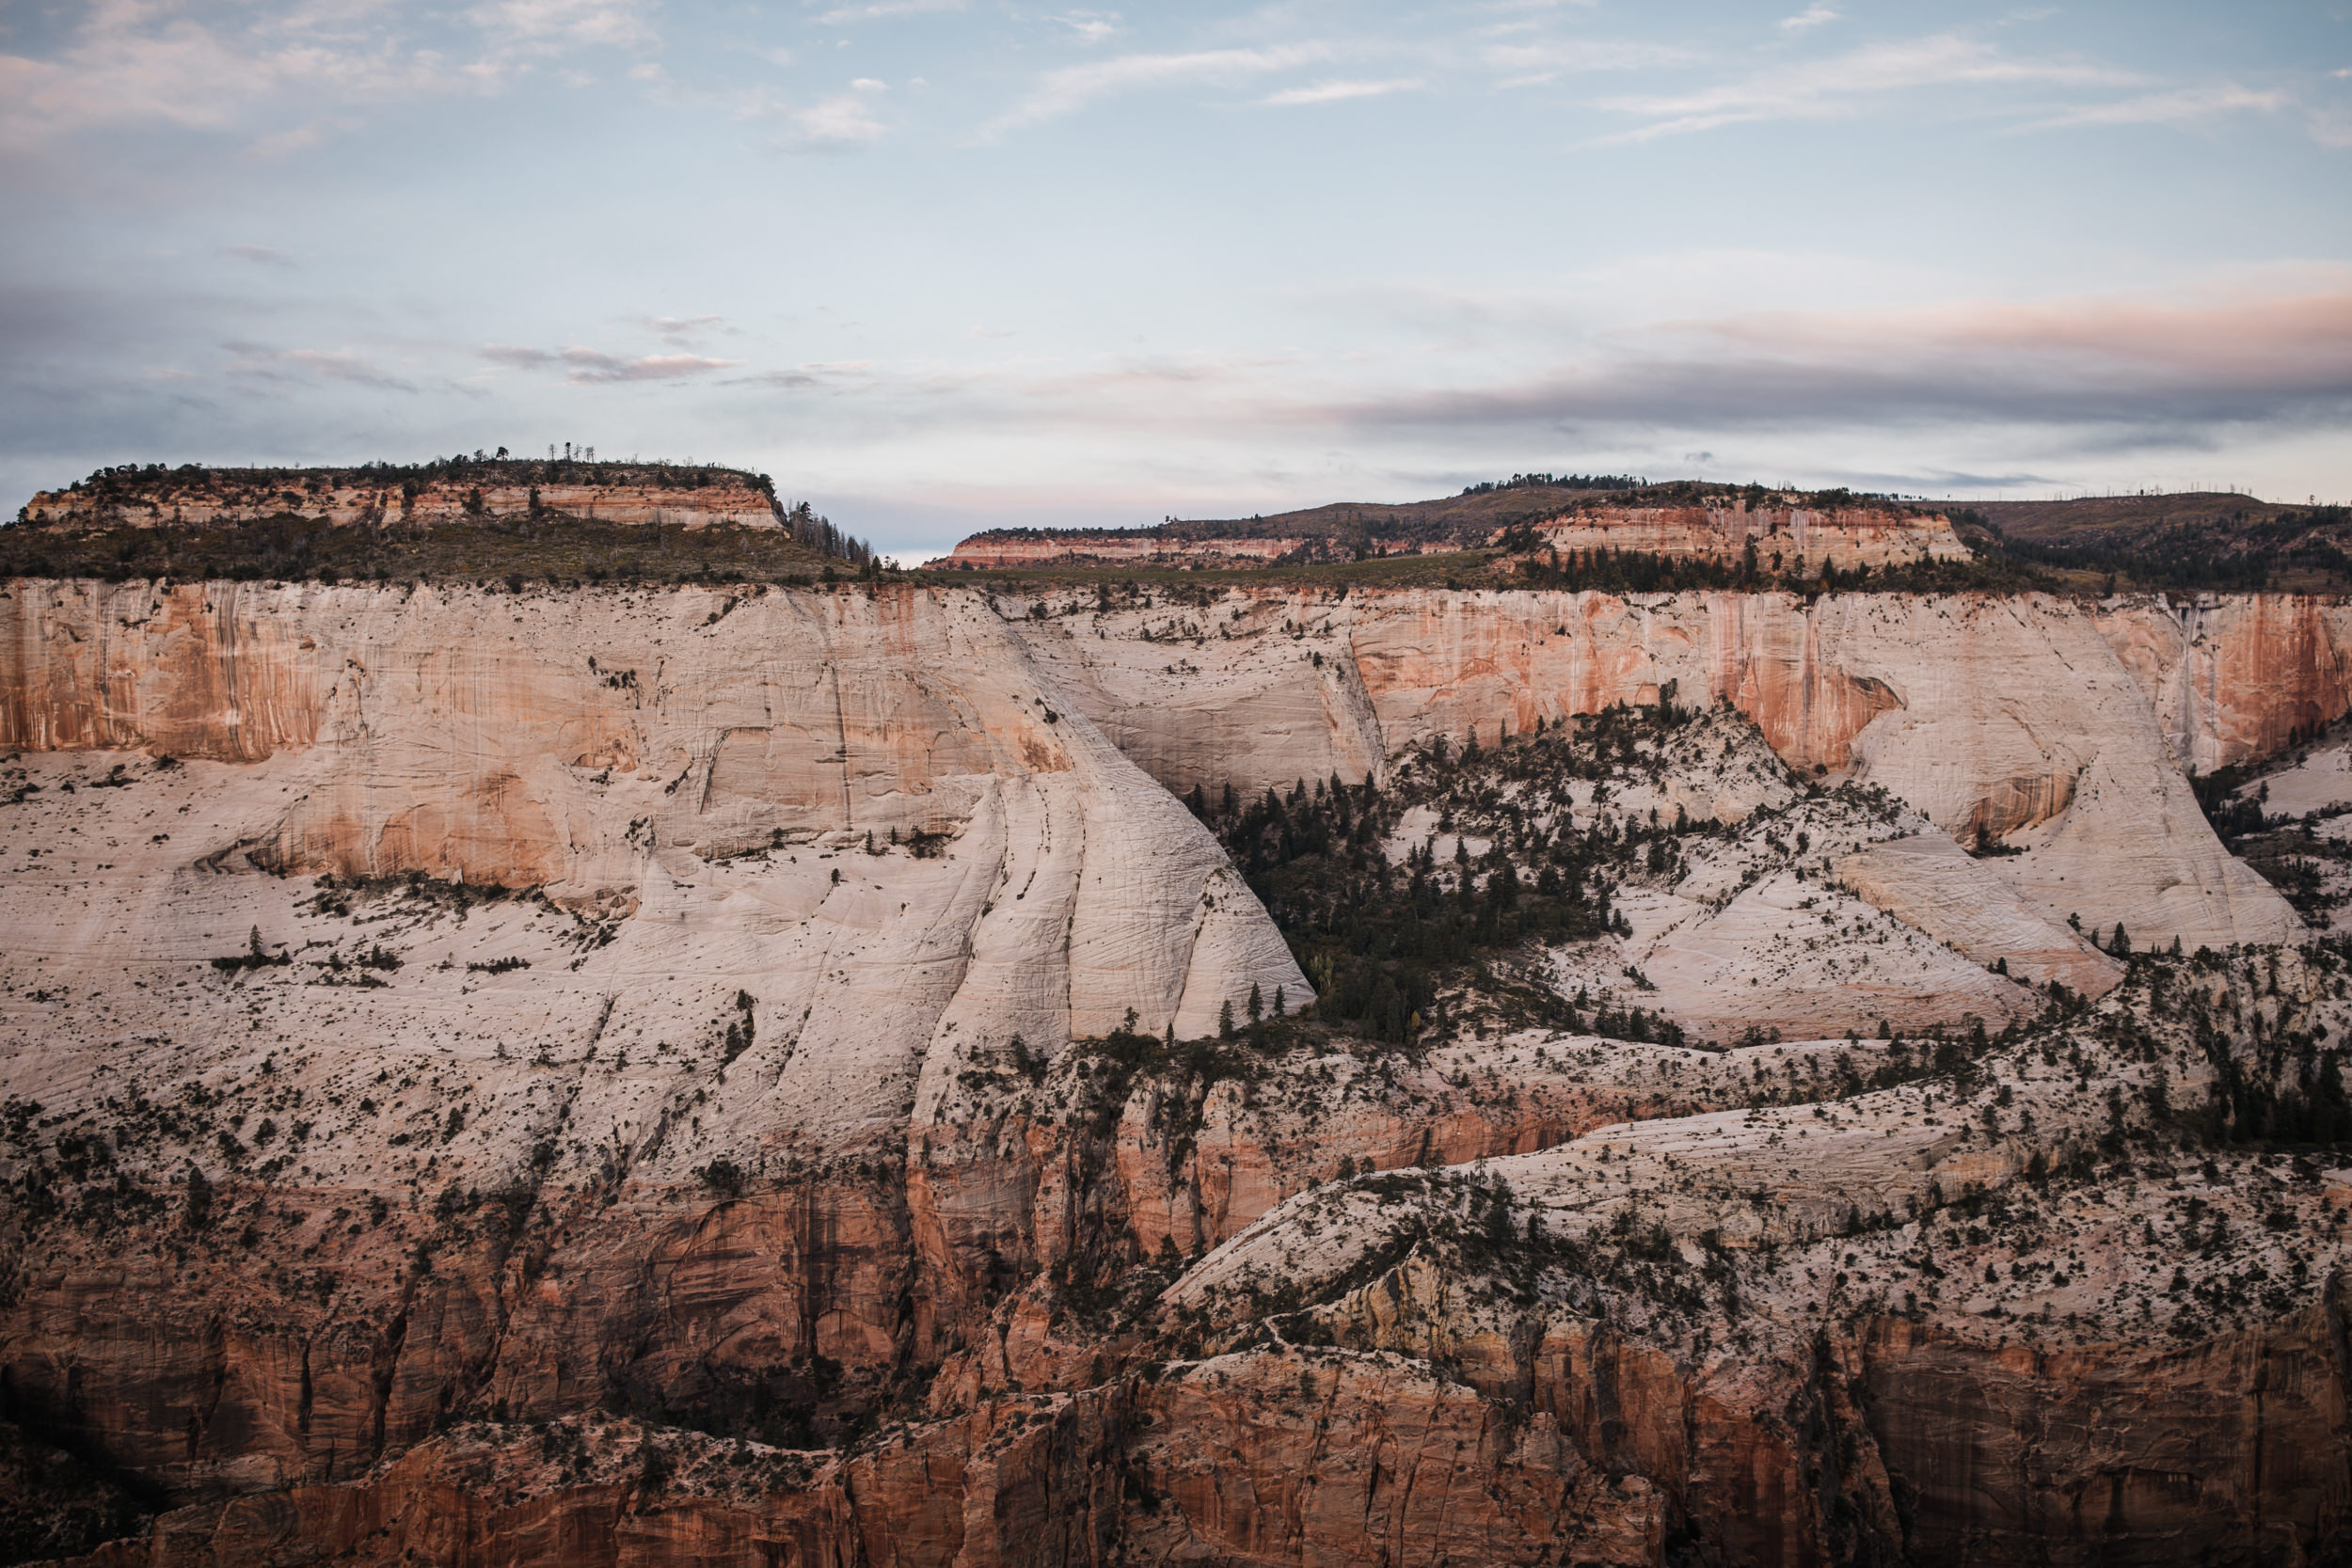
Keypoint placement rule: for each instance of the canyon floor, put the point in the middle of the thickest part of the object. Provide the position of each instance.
(1112, 1073)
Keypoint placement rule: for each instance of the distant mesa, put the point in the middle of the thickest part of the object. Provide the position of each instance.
(1529, 515)
(442, 492)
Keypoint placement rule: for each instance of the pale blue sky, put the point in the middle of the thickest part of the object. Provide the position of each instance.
(940, 266)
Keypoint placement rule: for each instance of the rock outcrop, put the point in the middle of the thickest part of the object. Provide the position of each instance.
(711, 1076)
(1004, 547)
(871, 793)
(1794, 538)
(2007, 722)
(2234, 679)
(353, 499)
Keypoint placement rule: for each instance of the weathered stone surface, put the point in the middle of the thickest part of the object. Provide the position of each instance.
(433, 501)
(2008, 719)
(726, 1120)
(1845, 537)
(2235, 678)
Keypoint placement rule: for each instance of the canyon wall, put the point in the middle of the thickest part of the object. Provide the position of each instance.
(2014, 720)
(1014, 548)
(453, 1043)
(1782, 534)
(2239, 679)
(166, 503)
(634, 748)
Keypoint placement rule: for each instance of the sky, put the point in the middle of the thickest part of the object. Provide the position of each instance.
(939, 265)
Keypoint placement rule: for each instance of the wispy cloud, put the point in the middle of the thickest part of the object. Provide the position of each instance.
(2183, 106)
(1074, 87)
(1841, 84)
(296, 138)
(130, 61)
(261, 362)
(2081, 375)
(884, 11)
(1090, 27)
(588, 367)
(1338, 92)
(548, 25)
(1811, 17)
(1522, 65)
(675, 329)
(838, 122)
(2158, 365)
(260, 255)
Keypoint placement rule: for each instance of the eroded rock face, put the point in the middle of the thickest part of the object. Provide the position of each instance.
(797, 863)
(2238, 678)
(2009, 720)
(1844, 536)
(2231, 1450)
(164, 504)
(636, 747)
(738, 1118)
(1000, 547)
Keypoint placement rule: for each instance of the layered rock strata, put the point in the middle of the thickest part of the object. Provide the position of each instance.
(2009, 722)
(1796, 539)
(731, 501)
(1014, 548)
(419, 1042)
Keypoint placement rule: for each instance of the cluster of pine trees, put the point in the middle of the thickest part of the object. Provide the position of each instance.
(1383, 941)
(2230, 552)
(818, 533)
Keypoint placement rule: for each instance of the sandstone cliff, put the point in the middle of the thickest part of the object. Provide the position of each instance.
(1783, 536)
(2239, 679)
(352, 499)
(999, 548)
(713, 1076)
(2004, 721)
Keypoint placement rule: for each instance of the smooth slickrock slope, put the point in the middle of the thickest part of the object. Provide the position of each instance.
(2005, 718)
(712, 764)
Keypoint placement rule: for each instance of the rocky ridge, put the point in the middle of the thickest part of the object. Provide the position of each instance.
(196, 498)
(1784, 535)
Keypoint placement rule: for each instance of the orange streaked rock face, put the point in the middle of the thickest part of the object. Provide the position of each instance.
(2009, 721)
(2235, 678)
